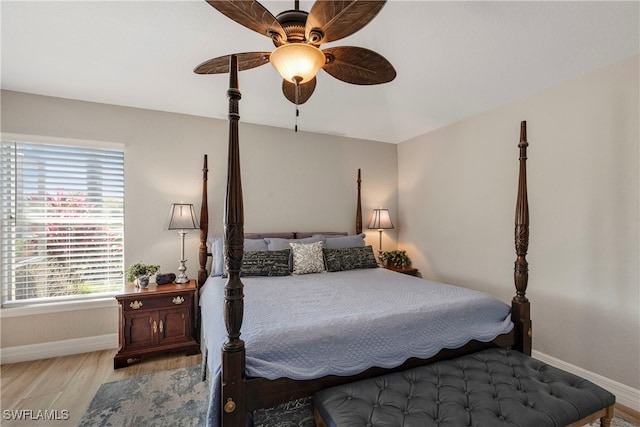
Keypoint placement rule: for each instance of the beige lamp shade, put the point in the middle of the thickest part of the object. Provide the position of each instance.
(182, 216)
(381, 220)
(297, 61)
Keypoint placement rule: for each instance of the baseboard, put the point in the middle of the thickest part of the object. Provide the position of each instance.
(625, 395)
(24, 353)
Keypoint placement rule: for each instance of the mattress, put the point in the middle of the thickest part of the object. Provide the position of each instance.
(342, 323)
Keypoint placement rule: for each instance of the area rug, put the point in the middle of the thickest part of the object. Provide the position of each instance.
(169, 398)
(179, 399)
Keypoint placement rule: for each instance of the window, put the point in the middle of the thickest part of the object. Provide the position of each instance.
(62, 210)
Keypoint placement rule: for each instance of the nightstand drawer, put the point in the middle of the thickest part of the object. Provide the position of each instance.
(164, 301)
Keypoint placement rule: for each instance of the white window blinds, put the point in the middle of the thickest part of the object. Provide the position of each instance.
(62, 221)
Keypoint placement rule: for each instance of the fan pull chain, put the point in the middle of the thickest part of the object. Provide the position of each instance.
(297, 114)
(297, 83)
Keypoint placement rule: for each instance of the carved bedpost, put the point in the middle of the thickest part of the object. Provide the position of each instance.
(202, 250)
(204, 227)
(359, 208)
(233, 351)
(521, 312)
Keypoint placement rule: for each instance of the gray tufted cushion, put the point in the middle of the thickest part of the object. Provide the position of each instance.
(491, 388)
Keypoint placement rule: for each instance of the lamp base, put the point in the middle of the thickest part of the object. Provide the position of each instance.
(182, 277)
(380, 250)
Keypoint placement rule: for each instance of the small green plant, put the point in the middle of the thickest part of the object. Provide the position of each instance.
(395, 258)
(139, 269)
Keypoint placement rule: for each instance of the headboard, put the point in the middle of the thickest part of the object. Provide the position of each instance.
(292, 234)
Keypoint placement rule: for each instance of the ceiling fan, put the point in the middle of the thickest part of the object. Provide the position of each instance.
(297, 35)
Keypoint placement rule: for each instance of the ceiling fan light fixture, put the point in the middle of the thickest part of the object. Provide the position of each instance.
(297, 62)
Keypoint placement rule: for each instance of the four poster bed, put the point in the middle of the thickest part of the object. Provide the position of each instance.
(302, 333)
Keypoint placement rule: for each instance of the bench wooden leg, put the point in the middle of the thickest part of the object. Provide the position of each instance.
(608, 417)
(605, 415)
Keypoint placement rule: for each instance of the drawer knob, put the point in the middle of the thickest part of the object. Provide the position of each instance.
(178, 300)
(136, 304)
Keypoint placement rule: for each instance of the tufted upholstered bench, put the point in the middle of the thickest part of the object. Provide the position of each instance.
(491, 388)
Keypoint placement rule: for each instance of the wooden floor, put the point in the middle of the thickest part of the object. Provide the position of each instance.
(69, 383)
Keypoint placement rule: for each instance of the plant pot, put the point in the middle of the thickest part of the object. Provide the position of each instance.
(391, 266)
(142, 281)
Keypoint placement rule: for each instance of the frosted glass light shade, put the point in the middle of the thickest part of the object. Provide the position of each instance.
(297, 61)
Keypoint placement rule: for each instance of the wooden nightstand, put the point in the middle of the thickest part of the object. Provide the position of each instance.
(404, 270)
(156, 319)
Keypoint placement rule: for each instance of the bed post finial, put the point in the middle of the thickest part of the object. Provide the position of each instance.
(359, 208)
(520, 307)
(521, 270)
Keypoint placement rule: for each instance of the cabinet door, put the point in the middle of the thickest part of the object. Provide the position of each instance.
(139, 330)
(174, 325)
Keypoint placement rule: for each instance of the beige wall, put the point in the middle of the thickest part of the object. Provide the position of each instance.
(456, 197)
(292, 182)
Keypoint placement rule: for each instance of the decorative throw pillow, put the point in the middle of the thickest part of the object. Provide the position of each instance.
(307, 257)
(350, 258)
(265, 263)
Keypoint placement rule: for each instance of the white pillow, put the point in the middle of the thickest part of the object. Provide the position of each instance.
(217, 256)
(278, 244)
(307, 257)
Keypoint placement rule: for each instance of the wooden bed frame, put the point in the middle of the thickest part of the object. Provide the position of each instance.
(239, 393)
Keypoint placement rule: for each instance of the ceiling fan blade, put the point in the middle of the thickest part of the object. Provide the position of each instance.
(332, 20)
(305, 91)
(252, 15)
(358, 65)
(220, 65)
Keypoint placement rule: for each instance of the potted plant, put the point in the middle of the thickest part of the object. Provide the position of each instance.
(139, 273)
(395, 259)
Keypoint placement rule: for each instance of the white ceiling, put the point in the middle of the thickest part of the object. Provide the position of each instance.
(454, 59)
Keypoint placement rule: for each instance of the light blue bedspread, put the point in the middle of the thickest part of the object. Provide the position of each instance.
(310, 326)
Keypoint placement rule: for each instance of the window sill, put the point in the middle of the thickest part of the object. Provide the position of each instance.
(58, 307)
